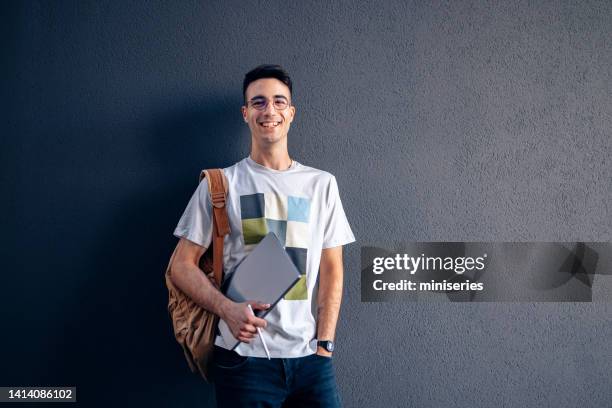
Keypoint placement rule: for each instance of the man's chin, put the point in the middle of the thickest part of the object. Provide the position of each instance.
(269, 137)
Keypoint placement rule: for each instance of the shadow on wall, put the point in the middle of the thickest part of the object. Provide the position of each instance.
(122, 346)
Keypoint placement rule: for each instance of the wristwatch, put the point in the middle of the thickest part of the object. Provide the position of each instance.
(326, 344)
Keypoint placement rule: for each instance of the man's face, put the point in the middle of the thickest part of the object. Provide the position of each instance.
(271, 124)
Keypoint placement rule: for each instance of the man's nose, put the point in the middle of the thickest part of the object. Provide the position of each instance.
(270, 107)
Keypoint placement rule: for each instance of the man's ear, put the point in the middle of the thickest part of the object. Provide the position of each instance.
(244, 113)
(292, 107)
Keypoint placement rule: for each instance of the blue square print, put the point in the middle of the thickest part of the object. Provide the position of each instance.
(298, 256)
(279, 228)
(298, 209)
(252, 206)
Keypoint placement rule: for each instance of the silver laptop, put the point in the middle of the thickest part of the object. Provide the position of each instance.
(265, 275)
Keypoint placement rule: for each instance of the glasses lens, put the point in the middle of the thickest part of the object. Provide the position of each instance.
(281, 104)
(259, 104)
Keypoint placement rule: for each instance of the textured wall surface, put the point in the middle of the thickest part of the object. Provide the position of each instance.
(442, 121)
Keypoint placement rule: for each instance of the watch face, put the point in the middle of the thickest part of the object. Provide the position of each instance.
(327, 345)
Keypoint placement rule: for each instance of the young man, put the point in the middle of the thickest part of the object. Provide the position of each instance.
(271, 192)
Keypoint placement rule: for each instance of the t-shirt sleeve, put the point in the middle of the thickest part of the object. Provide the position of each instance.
(337, 229)
(196, 222)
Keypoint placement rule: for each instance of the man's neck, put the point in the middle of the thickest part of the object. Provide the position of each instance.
(277, 159)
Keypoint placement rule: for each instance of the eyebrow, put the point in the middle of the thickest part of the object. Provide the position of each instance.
(263, 97)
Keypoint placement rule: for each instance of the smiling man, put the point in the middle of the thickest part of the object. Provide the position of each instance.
(271, 192)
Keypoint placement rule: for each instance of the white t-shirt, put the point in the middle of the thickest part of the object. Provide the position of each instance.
(302, 206)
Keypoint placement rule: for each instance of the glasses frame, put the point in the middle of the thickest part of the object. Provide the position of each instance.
(267, 101)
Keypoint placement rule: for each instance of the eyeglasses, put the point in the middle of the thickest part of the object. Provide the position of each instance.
(262, 103)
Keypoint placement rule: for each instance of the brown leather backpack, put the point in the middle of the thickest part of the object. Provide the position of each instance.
(194, 327)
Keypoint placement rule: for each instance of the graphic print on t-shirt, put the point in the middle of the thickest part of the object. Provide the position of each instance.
(287, 217)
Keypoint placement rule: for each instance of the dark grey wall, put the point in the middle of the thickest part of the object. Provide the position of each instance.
(449, 121)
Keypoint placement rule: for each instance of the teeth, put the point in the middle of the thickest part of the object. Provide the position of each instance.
(270, 124)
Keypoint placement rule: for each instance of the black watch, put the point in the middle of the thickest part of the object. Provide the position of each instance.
(326, 344)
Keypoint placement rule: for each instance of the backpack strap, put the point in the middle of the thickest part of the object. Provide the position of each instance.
(217, 189)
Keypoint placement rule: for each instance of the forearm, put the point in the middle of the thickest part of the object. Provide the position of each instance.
(329, 299)
(191, 280)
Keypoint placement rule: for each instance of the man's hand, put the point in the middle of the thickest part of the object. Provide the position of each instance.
(241, 321)
(322, 352)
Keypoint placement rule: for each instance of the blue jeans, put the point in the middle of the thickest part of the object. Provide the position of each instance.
(280, 382)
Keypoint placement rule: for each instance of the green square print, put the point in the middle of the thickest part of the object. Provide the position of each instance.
(298, 291)
(254, 230)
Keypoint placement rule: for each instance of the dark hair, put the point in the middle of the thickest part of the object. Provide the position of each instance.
(266, 71)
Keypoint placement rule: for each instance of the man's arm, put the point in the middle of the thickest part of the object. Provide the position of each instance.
(330, 295)
(189, 278)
